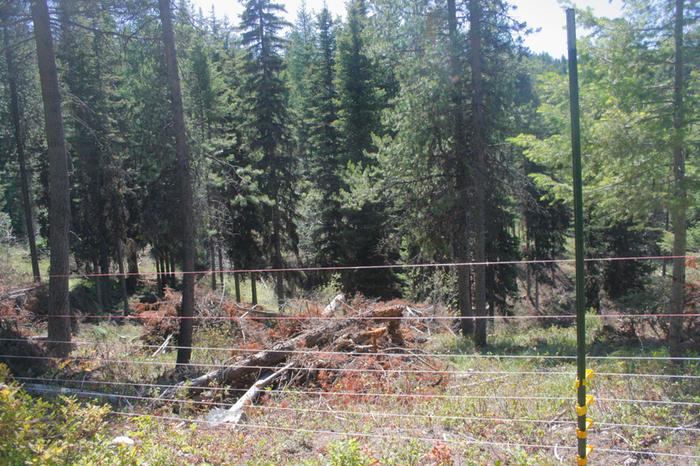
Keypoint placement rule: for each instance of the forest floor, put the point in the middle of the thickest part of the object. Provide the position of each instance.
(478, 409)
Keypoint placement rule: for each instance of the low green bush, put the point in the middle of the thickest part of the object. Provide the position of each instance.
(35, 431)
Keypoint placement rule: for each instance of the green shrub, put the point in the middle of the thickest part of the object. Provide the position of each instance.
(347, 453)
(36, 431)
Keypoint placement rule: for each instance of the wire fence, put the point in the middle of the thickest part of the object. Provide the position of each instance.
(339, 268)
(681, 406)
(372, 354)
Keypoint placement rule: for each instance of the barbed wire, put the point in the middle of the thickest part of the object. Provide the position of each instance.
(361, 370)
(346, 393)
(405, 354)
(471, 441)
(354, 413)
(373, 267)
(427, 439)
(137, 317)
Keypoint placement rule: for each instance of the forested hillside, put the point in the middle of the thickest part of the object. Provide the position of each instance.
(402, 134)
(149, 149)
(393, 136)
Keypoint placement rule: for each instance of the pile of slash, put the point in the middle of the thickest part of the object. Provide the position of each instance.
(360, 347)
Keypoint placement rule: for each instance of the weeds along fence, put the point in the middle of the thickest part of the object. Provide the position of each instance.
(643, 405)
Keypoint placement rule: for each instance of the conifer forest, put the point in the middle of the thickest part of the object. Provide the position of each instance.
(348, 239)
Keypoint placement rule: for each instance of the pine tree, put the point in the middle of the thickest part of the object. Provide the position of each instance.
(263, 98)
(365, 219)
(59, 328)
(98, 194)
(325, 159)
(358, 102)
(185, 178)
(300, 65)
(10, 36)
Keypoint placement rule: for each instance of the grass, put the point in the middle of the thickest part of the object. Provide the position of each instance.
(468, 418)
(433, 429)
(16, 266)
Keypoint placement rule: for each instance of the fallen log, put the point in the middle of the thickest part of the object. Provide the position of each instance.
(280, 352)
(234, 414)
(162, 347)
(17, 293)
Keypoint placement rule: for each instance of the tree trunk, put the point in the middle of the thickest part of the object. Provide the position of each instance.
(122, 279)
(479, 174)
(187, 309)
(279, 276)
(221, 266)
(237, 286)
(212, 263)
(59, 325)
(98, 287)
(104, 281)
(679, 206)
(528, 281)
(159, 275)
(132, 263)
(16, 117)
(667, 225)
(165, 266)
(171, 267)
(163, 273)
(254, 287)
(458, 164)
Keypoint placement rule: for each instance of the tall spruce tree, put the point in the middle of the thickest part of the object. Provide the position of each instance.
(365, 220)
(12, 30)
(98, 194)
(300, 65)
(325, 161)
(266, 134)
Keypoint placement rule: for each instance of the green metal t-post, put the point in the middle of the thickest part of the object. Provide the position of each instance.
(578, 224)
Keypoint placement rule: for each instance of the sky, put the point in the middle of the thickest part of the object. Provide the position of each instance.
(546, 16)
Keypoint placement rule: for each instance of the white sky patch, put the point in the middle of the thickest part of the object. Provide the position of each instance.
(545, 15)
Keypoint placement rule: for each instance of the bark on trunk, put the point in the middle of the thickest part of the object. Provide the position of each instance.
(122, 279)
(98, 287)
(159, 275)
(171, 264)
(165, 265)
(59, 325)
(187, 309)
(221, 266)
(104, 281)
(132, 262)
(163, 273)
(279, 276)
(458, 164)
(237, 286)
(254, 287)
(16, 117)
(679, 207)
(479, 174)
(212, 263)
